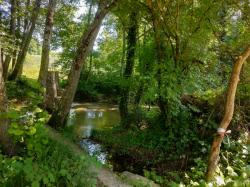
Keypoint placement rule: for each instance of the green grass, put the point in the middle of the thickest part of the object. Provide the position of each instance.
(31, 65)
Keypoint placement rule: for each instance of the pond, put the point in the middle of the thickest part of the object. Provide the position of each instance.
(85, 117)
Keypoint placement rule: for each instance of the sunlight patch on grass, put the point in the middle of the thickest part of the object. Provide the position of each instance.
(31, 65)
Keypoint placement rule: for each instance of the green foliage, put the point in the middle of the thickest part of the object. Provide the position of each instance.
(97, 87)
(54, 166)
(153, 176)
(68, 30)
(7, 42)
(155, 144)
(233, 170)
(35, 48)
(44, 161)
(41, 161)
(25, 88)
(199, 41)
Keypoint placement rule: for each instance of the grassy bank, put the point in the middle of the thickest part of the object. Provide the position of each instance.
(39, 159)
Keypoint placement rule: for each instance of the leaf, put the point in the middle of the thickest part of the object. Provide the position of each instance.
(31, 131)
(63, 172)
(51, 177)
(9, 115)
(17, 132)
(45, 180)
(35, 184)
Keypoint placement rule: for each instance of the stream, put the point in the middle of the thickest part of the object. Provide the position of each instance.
(85, 117)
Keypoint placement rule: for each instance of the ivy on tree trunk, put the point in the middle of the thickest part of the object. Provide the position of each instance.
(131, 47)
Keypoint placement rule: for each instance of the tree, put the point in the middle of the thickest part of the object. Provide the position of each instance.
(228, 115)
(26, 41)
(130, 60)
(46, 43)
(12, 33)
(59, 116)
(5, 139)
(160, 56)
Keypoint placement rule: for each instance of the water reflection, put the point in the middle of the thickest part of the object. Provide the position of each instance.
(88, 116)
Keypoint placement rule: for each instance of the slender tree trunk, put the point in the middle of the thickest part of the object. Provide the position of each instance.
(46, 43)
(131, 46)
(160, 55)
(6, 66)
(17, 35)
(14, 58)
(177, 37)
(26, 19)
(229, 110)
(90, 13)
(59, 116)
(123, 49)
(12, 32)
(25, 44)
(91, 50)
(5, 139)
(139, 95)
(145, 71)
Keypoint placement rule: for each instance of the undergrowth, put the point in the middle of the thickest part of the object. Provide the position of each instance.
(39, 160)
(176, 154)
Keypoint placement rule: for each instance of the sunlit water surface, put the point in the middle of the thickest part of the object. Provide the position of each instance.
(85, 117)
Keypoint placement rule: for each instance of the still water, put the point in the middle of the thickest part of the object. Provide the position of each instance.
(85, 117)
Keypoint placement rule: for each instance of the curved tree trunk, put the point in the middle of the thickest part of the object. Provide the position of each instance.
(229, 110)
(59, 116)
(26, 42)
(46, 43)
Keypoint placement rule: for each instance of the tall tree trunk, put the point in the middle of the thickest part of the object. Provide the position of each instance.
(131, 46)
(160, 55)
(229, 110)
(145, 70)
(90, 13)
(123, 50)
(26, 19)
(91, 50)
(12, 32)
(17, 34)
(59, 116)
(25, 43)
(46, 43)
(5, 140)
